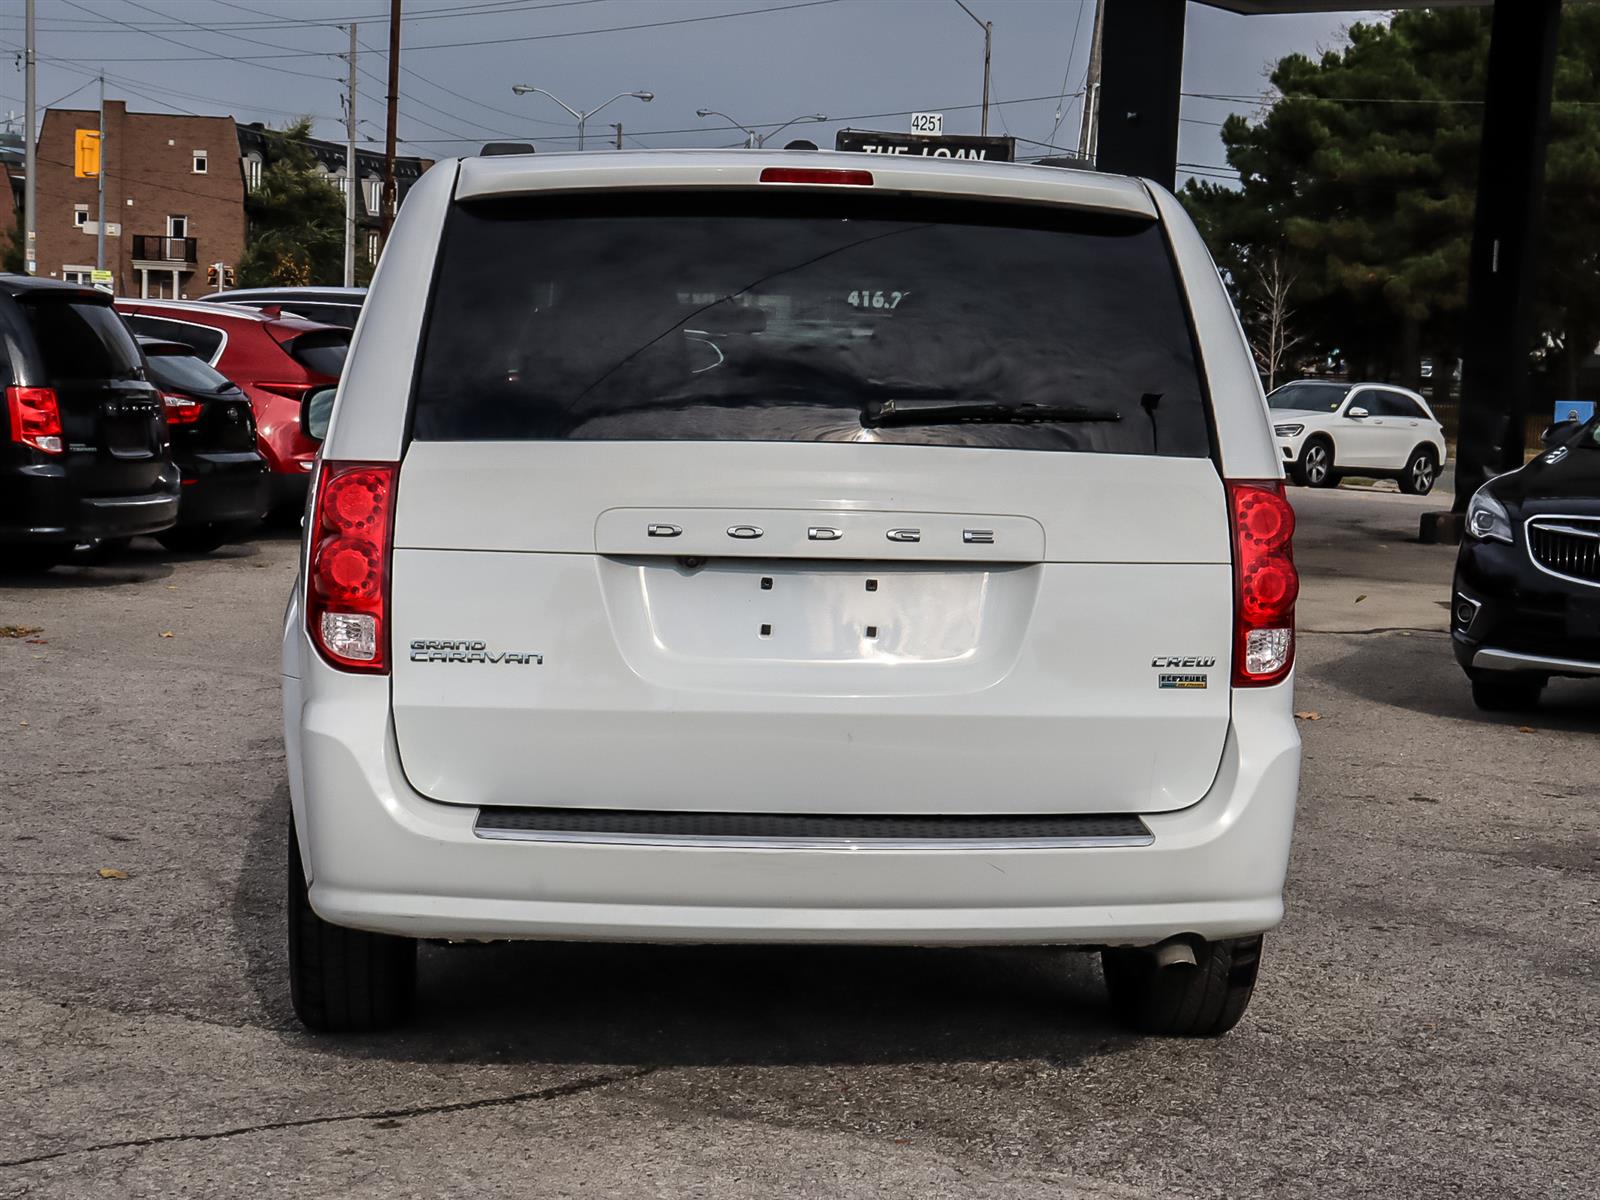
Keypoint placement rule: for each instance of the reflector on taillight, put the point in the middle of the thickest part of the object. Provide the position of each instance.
(828, 175)
(180, 410)
(35, 418)
(1265, 582)
(347, 582)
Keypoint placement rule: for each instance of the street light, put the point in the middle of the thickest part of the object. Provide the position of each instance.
(988, 39)
(522, 89)
(754, 140)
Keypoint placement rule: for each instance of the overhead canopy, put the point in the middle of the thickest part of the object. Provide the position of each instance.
(1313, 6)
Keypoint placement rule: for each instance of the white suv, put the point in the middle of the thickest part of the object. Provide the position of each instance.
(1327, 430)
(793, 547)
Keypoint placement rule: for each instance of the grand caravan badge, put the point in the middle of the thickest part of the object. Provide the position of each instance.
(470, 652)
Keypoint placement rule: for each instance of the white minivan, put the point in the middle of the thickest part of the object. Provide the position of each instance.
(737, 546)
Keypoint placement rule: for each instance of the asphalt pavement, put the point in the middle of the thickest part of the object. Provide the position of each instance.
(1424, 1025)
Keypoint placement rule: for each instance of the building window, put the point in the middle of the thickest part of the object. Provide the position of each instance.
(199, 162)
(374, 195)
(252, 173)
(372, 247)
(342, 184)
(80, 215)
(77, 274)
(177, 227)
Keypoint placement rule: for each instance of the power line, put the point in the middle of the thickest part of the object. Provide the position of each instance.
(493, 8)
(500, 41)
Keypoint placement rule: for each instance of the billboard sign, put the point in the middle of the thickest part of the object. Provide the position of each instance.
(979, 149)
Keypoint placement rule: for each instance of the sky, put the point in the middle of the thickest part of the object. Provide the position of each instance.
(866, 63)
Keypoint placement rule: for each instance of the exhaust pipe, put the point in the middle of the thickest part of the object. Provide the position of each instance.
(1174, 952)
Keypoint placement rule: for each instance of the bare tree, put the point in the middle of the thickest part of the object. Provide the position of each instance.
(1269, 317)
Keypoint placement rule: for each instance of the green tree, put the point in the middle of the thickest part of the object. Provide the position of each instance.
(12, 258)
(1363, 175)
(296, 217)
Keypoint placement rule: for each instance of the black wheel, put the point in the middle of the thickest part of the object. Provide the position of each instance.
(195, 539)
(1421, 473)
(102, 550)
(344, 980)
(1203, 1000)
(1314, 468)
(1507, 692)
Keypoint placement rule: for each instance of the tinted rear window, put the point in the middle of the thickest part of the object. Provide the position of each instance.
(202, 339)
(785, 319)
(321, 352)
(82, 341)
(186, 373)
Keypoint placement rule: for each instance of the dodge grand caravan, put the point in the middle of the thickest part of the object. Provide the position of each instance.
(793, 547)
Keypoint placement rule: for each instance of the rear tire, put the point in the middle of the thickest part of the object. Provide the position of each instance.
(1314, 467)
(27, 558)
(196, 539)
(344, 980)
(1421, 473)
(1205, 1000)
(1508, 693)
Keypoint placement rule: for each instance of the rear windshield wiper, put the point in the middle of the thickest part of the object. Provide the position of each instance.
(987, 412)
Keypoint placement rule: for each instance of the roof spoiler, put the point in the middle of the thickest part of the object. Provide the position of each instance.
(491, 149)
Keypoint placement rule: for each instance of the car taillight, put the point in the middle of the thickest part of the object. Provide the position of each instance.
(180, 410)
(1265, 583)
(35, 418)
(827, 175)
(347, 586)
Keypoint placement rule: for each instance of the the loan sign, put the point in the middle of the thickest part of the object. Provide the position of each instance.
(983, 149)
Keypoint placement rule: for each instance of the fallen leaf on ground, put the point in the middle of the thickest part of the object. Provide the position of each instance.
(1526, 729)
(167, 633)
(112, 873)
(1361, 597)
(1308, 716)
(19, 631)
(38, 641)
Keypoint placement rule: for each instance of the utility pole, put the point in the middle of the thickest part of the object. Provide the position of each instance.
(1088, 131)
(351, 173)
(30, 258)
(988, 46)
(617, 125)
(100, 182)
(386, 219)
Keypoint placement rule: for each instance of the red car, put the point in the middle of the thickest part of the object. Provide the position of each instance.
(275, 359)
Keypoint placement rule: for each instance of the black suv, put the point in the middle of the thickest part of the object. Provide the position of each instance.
(1526, 604)
(87, 457)
(214, 443)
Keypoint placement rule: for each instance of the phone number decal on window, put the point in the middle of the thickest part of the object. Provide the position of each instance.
(864, 298)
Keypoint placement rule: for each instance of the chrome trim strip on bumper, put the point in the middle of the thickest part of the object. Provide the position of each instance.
(704, 842)
(1508, 660)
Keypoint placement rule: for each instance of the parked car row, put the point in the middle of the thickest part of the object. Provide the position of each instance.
(126, 417)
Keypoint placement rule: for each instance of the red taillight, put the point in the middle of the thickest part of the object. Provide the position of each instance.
(180, 410)
(1265, 583)
(35, 418)
(347, 589)
(832, 176)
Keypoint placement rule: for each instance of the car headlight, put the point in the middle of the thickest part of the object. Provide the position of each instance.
(1288, 430)
(1487, 519)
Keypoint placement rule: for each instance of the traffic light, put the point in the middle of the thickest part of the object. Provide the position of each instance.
(213, 277)
(228, 279)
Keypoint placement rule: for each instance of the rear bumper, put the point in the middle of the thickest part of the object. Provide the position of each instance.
(382, 857)
(43, 504)
(223, 488)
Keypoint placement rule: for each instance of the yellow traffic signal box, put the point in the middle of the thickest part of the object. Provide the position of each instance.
(86, 158)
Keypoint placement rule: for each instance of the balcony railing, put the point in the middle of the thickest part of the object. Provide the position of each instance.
(149, 247)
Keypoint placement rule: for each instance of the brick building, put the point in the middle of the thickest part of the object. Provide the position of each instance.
(175, 196)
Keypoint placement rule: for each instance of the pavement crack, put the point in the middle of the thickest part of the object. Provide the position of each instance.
(559, 1091)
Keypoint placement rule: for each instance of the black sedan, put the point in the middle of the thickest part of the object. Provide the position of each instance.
(214, 444)
(1526, 605)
